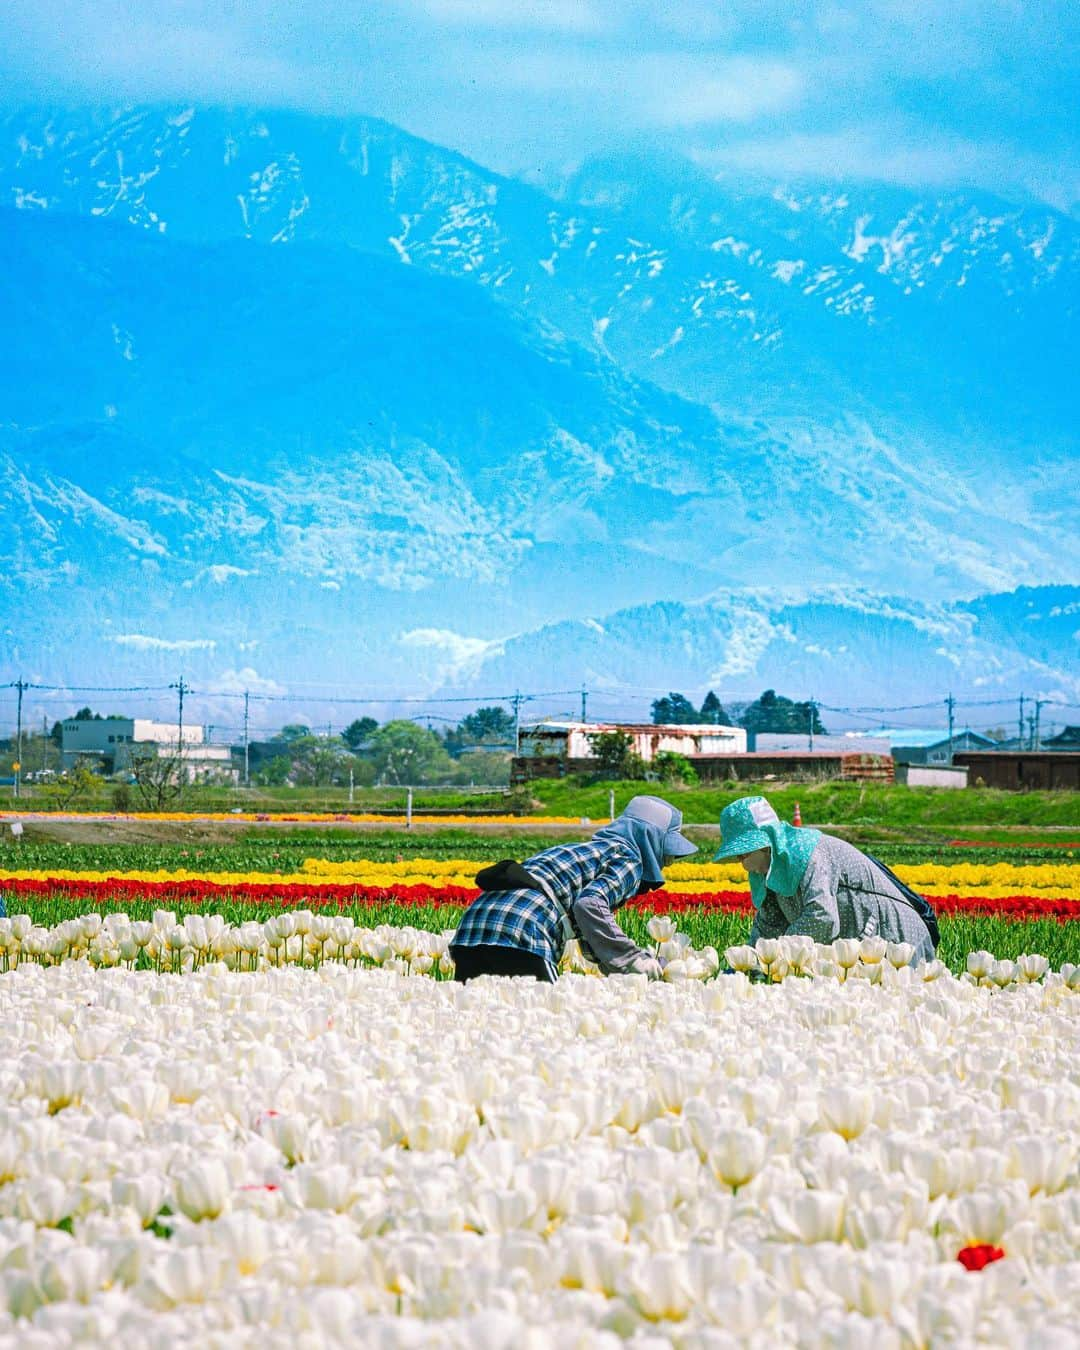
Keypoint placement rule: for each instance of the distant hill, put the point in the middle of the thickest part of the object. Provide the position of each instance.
(297, 390)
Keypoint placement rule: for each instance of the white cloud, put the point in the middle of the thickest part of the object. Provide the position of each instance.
(558, 16)
(246, 680)
(741, 90)
(454, 655)
(892, 153)
(219, 573)
(141, 643)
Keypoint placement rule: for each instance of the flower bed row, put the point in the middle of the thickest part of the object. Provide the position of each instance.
(986, 881)
(389, 817)
(319, 894)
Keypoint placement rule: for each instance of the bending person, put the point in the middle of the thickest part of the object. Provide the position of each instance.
(803, 881)
(520, 923)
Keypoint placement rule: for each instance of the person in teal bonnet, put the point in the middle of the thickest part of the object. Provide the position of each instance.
(805, 882)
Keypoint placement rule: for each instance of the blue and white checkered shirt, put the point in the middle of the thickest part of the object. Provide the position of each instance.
(583, 885)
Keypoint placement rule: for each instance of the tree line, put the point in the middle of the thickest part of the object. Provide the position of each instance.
(770, 712)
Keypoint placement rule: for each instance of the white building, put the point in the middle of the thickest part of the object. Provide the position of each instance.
(111, 741)
(571, 740)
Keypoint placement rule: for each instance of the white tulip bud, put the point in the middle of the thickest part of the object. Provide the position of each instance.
(737, 1155)
(661, 928)
(202, 1192)
(872, 950)
(142, 932)
(1032, 966)
(979, 964)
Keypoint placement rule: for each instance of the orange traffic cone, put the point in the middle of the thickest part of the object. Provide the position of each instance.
(796, 819)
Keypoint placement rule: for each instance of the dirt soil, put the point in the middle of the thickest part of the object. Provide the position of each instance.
(101, 830)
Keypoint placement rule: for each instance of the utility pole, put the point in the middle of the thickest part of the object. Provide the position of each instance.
(812, 705)
(950, 703)
(584, 698)
(516, 701)
(44, 744)
(1020, 737)
(1039, 702)
(247, 764)
(1031, 731)
(20, 686)
(181, 689)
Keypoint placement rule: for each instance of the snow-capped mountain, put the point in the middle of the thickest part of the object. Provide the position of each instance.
(950, 311)
(286, 384)
(829, 644)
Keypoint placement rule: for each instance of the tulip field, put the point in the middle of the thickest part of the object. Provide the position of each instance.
(242, 1104)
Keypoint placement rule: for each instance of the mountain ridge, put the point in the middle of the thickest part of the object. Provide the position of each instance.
(432, 462)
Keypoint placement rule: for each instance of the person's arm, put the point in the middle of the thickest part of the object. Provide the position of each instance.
(818, 916)
(593, 913)
(770, 920)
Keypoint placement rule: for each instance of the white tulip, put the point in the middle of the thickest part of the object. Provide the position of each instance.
(660, 1286)
(979, 964)
(144, 1194)
(1032, 967)
(736, 1156)
(847, 1110)
(899, 954)
(202, 1191)
(808, 1216)
(1042, 1164)
(743, 959)
(141, 932)
(290, 1133)
(77, 1275)
(661, 928)
(872, 950)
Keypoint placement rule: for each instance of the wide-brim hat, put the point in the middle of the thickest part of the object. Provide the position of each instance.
(741, 827)
(658, 812)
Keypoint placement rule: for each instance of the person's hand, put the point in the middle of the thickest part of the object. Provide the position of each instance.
(644, 964)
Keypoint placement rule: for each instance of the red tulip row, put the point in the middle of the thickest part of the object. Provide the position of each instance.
(350, 894)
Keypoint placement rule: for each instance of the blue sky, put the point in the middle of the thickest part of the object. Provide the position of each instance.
(967, 92)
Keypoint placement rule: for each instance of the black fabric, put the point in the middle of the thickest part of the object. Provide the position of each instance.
(472, 961)
(918, 902)
(506, 875)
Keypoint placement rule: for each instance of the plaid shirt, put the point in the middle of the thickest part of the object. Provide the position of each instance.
(539, 921)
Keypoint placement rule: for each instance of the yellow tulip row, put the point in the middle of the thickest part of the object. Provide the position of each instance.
(992, 882)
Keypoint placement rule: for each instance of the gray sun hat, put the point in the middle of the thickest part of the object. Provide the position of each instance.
(656, 811)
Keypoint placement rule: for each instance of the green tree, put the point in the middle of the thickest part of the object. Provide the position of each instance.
(78, 785)
(773, 712)
(712, 711)
(673, 709)
(273, 772)
(615, 755)
(319, 761)
(292, 732)
(488, 724)
(492, 726)
(157, 780)
(671, 767)
(358, 732)
(403, 752)
(488, 768)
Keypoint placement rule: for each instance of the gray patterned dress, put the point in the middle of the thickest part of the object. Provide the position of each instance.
(842, 894)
